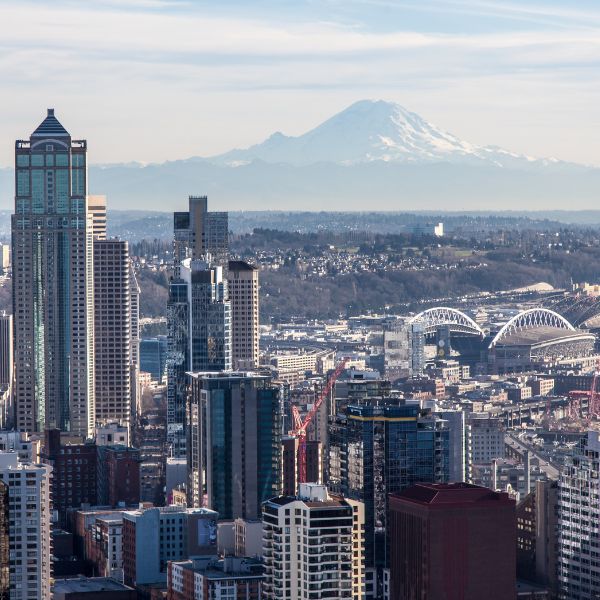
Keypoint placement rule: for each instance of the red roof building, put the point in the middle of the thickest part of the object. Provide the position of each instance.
(452, 541)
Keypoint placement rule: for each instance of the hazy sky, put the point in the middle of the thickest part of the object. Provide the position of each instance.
(153, 80)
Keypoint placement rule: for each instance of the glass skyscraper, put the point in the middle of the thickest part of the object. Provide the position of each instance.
(234, 443)
(380, 447)
(52, 245)
(198, 309)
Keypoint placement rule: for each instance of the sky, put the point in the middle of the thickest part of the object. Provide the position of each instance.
(157, 80)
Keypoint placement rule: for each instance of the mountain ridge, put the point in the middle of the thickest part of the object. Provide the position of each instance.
(374, 154)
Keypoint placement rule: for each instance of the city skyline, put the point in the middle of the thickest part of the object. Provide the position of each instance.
(513, 75)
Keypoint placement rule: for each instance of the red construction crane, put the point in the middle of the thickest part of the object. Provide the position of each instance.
(594, 401)
(301, 425)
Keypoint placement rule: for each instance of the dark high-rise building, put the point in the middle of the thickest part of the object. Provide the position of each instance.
(234, 443)
(112, 330)
(74, 473)
(53, 285)
(198, 309)
(452, 541)
(4, 542)
(118, 475)
(153, 357)
(242, 280)
(379, 448)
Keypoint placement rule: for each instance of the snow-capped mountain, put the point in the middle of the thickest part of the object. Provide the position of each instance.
(374, 130)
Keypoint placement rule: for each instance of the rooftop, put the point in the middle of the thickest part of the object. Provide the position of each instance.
(542, 335)
(440, 494)
(50, 127)
(88, 584)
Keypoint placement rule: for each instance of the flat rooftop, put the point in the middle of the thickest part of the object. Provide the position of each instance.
(88, 584)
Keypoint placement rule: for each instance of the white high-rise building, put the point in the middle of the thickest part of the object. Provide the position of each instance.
(26, 486)
(313, 546)
(578, 524)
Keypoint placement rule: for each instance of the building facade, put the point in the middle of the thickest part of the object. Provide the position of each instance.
(154, 536)
(452, 541)
(578, 524)
(226, 579)
(112, 323)
(313, 546)
(53, 285)
(198, 309)
(234, 443)
(242, 280)
(6, 371)
(379, 448)
(28, 512)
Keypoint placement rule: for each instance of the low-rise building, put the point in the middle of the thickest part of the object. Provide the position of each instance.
(208, 579)
(152, 537)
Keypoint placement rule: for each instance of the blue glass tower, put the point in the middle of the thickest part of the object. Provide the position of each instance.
(52, 245)
(381, 447)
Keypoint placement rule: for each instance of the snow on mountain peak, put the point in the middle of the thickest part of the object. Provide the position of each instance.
(372, 130)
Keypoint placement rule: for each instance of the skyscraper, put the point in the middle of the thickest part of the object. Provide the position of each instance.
(28, 527)
(53, 285)
(234, 443)
(112, 318)
(242, 280)
(134, 339)
(578, 516)
(378, 448)
(198, 309)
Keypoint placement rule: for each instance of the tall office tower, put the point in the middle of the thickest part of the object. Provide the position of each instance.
(326, 536)
(199, 316)
(97, 206)
(242, 281)
(378, 448)
(153, 357)
(452, 541)
(578, 515)
(200, 232)
(53, 284)
(201, 244)
(6, 371)
(234, 443)
(134, 338)
(29, 528)
(112, 320)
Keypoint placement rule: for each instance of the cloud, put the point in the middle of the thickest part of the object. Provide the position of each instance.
(209, 79)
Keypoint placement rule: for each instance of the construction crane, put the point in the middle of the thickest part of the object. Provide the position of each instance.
(301, 425)
(593, 398)
(594, 401)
